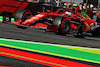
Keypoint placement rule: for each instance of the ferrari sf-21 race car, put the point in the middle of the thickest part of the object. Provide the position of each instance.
(60, 21)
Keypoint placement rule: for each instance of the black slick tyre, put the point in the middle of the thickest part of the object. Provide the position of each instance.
(22, 14)
(63, 25)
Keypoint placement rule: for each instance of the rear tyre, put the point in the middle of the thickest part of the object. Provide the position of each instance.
(63, 25)
(79, 33)
(22, 15)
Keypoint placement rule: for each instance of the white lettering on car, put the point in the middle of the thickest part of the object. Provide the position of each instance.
(94, 26)
(39, 15)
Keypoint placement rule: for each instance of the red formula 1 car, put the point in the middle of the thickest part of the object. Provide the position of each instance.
(60, 21)
(48, 20)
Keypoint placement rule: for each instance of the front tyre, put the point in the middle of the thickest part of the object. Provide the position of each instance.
(22, 14)
(79, 33)
(63, 25)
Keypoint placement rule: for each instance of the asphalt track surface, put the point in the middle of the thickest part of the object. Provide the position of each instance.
(11, 62)
(30, 34)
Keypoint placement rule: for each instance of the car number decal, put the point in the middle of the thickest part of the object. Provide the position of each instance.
(94, 25)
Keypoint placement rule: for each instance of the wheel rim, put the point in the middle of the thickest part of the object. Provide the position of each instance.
(26, 15)
(66, 26)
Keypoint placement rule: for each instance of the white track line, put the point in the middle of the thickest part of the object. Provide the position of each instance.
(49, 44)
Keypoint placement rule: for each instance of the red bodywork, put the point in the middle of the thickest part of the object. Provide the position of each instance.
(38, 25)
(35, 22)
(88, 25)
(31, 20)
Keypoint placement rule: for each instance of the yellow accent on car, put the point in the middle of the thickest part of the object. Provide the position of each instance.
(35, 17)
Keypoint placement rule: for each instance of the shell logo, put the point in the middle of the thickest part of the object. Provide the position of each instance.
(35, 17)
